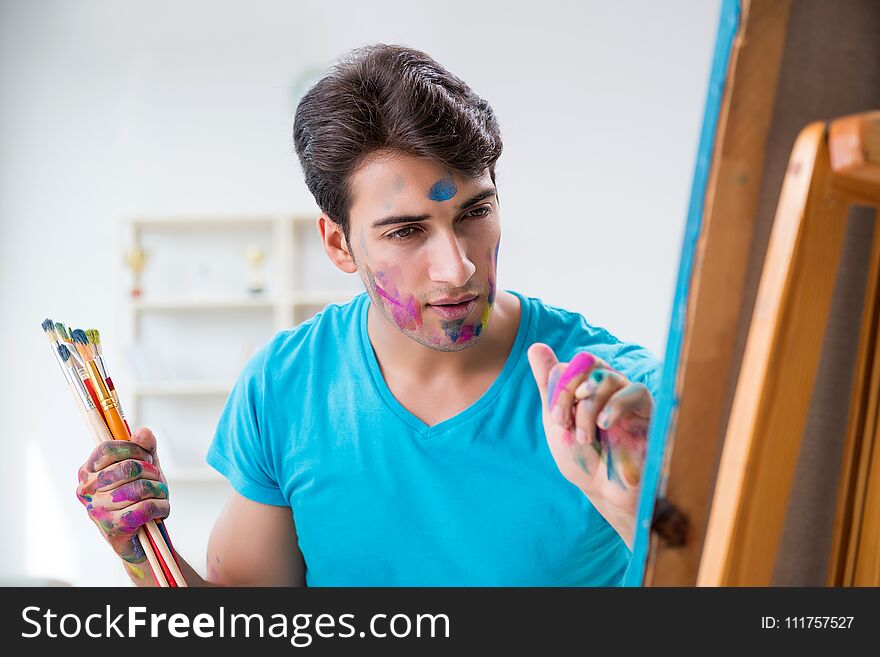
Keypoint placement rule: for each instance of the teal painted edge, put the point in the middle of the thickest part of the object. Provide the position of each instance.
(668, 401)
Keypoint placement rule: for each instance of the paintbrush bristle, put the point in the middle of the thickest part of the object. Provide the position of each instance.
(49, 329)
(90, 333)
(79, 336)
(64, 352)
(81, 342)
(95, 337)
(62, 331)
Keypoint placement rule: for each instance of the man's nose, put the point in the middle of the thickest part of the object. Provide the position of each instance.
(449, 262)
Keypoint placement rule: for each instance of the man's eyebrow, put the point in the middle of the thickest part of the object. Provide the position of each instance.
(476, 198)
(403, 219)
(413, 219)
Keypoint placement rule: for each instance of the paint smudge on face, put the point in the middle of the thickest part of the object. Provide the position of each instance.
(443, 190)
(490, 299)
(456, 330)
(405, 311)
(363, 241)
(134, 570)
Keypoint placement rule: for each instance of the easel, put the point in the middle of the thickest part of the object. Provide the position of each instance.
(831, 168)
(786, 63)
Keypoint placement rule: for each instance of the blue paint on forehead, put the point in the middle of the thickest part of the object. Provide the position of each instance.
(443, 190)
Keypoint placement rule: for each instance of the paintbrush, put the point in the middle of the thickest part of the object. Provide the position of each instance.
(73, 380)
(94, 337)
(120, 431)
(93, 417)
(95, 422)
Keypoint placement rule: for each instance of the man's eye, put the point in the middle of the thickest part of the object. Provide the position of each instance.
(402, 233)
(482, 211)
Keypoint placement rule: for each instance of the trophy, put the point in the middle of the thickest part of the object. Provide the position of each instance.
(136, 259)
(255, 256)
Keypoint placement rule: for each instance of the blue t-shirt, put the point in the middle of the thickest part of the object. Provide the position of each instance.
(379, 498)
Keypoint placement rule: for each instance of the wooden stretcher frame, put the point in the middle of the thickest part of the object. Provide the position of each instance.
(832, 167)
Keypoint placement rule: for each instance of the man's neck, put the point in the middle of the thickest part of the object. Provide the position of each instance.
(404, 356)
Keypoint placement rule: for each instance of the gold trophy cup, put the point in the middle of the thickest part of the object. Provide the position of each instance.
(136, 259)
(255, 257)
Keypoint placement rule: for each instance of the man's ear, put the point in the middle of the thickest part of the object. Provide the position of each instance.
(335, 244)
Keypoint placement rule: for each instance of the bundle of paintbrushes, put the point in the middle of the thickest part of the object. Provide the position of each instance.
(81, 359)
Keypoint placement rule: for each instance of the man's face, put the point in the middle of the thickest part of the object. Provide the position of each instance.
(425, 242)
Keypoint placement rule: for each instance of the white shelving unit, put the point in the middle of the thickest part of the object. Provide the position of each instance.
(290, 297)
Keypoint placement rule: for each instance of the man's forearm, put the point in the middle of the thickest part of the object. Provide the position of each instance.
(623, 523)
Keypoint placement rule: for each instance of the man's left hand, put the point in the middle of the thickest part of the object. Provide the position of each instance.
(596, 423)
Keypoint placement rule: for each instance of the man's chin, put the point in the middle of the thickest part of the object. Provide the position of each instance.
(449, 336)
(443, 343)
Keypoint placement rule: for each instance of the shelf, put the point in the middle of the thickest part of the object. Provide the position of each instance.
(182, 388)
(165, 305)
(187, 223)
(176, 324)
(321, 298)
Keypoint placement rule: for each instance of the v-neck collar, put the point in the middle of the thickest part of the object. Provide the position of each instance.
(486, 398)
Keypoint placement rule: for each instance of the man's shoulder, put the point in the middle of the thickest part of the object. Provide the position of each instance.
(568, 332)
(336, 321)
(559, 326)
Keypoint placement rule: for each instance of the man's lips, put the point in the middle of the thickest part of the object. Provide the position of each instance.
(452, 301)
(453, 308)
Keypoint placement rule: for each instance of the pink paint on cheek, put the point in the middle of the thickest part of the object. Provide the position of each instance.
(406, 312)
(578, 365)
(406, 315)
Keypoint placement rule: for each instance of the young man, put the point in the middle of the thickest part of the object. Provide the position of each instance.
(423, 433)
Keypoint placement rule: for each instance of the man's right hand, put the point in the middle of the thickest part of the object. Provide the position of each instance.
(122, 487)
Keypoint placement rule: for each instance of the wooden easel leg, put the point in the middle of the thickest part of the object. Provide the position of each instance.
(778, 372)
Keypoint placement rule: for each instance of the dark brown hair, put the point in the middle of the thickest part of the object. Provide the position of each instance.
(389, 97)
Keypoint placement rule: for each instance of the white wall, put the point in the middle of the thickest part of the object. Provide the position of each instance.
(114, 108)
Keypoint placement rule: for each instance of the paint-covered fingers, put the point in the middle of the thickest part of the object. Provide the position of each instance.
(592, 396)
(625, 419)
(562, 394)
(129, 493)
(111, 452)
(116, 475)
(146, 439)
(585, 430)
(127, 521)
(633, 400)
